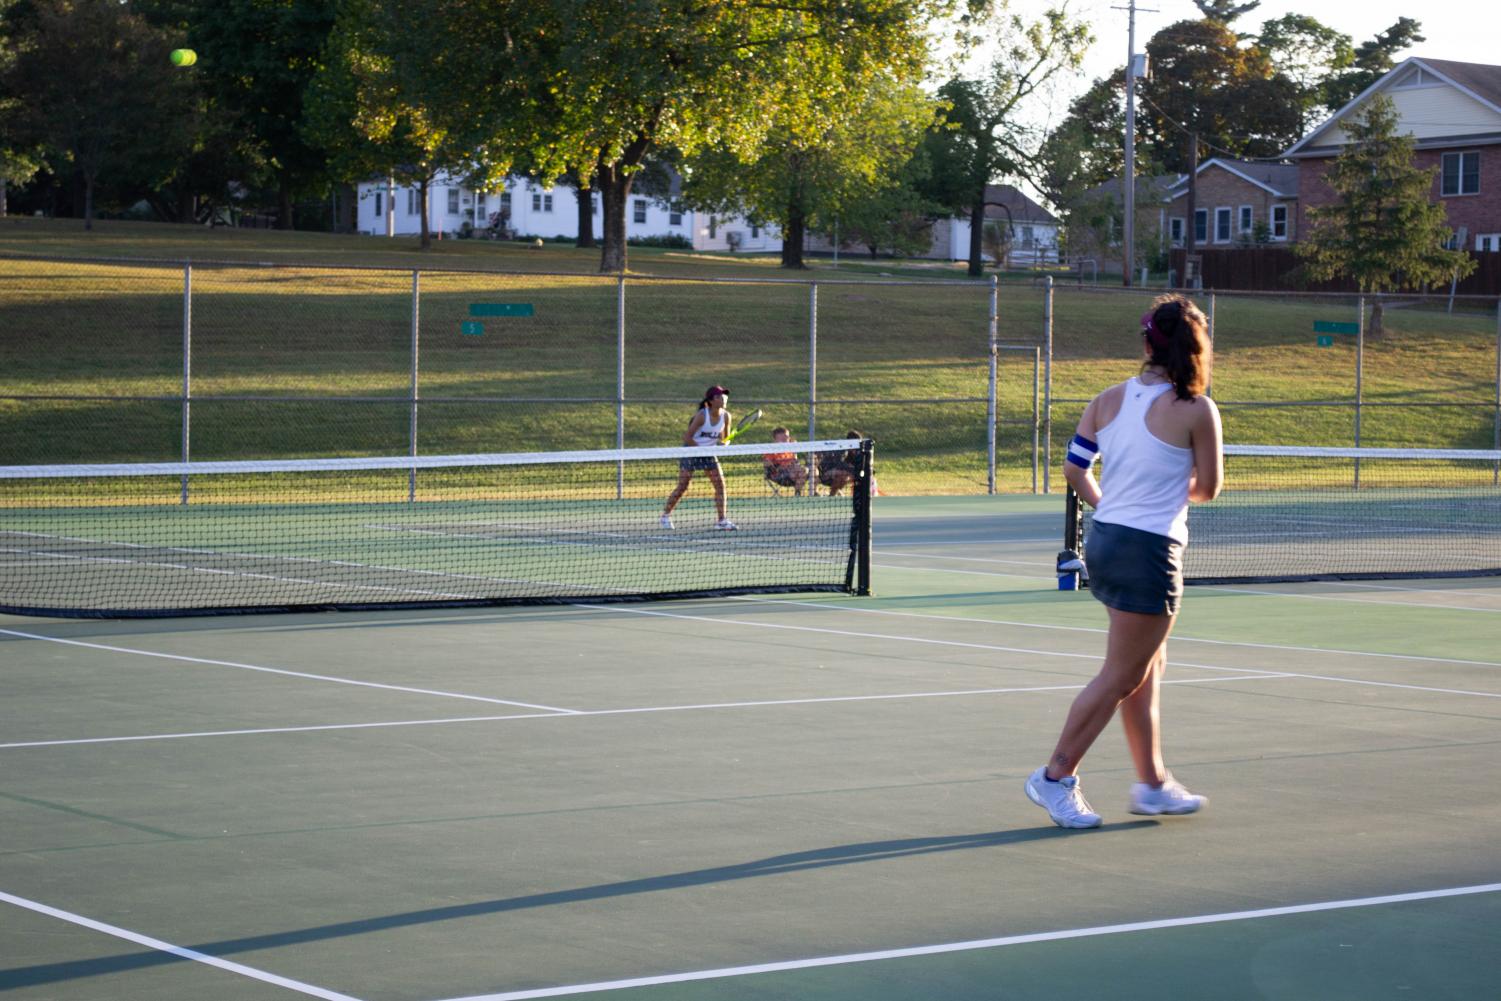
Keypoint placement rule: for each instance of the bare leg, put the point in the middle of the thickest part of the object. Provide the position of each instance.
(1130, 652)
(677, 493)
(718, 481)
(1140, 718)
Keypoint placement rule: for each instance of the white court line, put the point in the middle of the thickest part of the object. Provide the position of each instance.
(283, 671)
(1420, 590)
(1354, 601)
(1027, 650)
(1176, 638)
(985, 943)
(629, 711)
(176, 950)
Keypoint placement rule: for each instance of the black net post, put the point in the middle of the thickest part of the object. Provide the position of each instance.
(1071, 520)
(860, 528)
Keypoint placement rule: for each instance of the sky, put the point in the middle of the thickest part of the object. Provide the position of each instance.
(1466, 32)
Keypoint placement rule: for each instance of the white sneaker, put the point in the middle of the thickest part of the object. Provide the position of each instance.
(666, 521)
(726, 525)
(1062, 799)
(1171, 798)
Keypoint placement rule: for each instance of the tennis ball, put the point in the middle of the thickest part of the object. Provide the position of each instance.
(184, 57)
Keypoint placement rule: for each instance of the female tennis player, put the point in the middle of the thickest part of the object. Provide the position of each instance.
(708, 428)
(1161, 437)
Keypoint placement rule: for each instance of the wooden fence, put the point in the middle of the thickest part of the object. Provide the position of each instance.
(1278, 269)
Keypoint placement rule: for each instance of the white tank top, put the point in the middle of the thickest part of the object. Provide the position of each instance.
(1145, 481)
(708, 434)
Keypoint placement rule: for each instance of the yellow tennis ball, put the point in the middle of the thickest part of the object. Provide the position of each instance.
(184, 57)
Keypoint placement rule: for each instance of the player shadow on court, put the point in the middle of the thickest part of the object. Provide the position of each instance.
(776, 865)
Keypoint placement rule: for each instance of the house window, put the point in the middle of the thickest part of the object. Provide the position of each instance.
(541, 202)
(638, 210)
(1278, 222)
(481, 202)
(713, 227)
(1201, 226)
(1461, 174)
(755, 231)
(453, 201)
(1027, 236)
(505, 202)
(1222, 225)
(1245, 219)
(1488, 242)
(675, 214)
(593, 204)
(378, 201)
(1175, 230)
(411, 201)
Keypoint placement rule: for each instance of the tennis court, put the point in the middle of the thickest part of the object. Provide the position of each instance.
(769, 796)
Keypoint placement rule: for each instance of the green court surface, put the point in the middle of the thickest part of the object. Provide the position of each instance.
(766, 797)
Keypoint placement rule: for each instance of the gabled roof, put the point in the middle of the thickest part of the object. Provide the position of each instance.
(1147, 187)
(1279, 179)
(1479, 81)
(1022, 208)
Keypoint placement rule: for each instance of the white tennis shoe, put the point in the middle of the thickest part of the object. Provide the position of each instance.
(1170, 799)
(726, 525)
(666, 521)
(1062, 799)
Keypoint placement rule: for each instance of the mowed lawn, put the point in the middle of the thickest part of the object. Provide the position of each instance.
(315, 361)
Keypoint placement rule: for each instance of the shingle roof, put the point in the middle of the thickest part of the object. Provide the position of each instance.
(1281, 178)
(1480, 79)
(1023, 209)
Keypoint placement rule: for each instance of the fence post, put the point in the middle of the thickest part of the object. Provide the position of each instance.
(1209, 388)
(1359, 379)
(1047, 385)
(812, 369)
(187, 370)
(990, 405)
(412, 418)
(620, 383)
(1036, 379)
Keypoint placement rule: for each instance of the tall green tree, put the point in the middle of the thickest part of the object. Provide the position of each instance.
(118, 110)
(1085, 149)
(1371, 60)
(805, 174)
(1382, 230)
(1206, 82)
(598, 86)
(983, 136)
(256, 59)
(20, 154)
(1309, 54)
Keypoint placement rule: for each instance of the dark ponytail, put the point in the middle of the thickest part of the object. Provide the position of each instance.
(1177, 334)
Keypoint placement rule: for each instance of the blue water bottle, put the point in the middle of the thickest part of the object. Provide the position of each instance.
(1069, 568)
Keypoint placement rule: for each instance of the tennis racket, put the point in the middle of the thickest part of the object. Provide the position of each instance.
(741, 425)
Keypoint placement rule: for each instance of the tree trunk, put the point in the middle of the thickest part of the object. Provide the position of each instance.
(422, 193)
(284, 202)
(88, 201)
(792, 237)
(187, 207)
(585, 201)
(976, 236)
(1375, 331)
(614, 188)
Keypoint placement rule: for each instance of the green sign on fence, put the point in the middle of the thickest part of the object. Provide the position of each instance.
(500, 309)
(1335, 327)
(472, 327)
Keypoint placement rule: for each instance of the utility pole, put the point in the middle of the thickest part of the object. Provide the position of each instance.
(1128, 181)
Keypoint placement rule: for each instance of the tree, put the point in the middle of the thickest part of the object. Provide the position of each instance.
(1085, 150)
(385, 105)
(1225, 11)
(982, 138)
(805, 175)
(1204, 81)
(601, 85)
(256, 59)
(20, 155)
(1381, 230)
(895, 218)
(1371, 60)
(1309, 54)
(119, 106)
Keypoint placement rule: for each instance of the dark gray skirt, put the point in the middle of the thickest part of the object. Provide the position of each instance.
(1134, 571)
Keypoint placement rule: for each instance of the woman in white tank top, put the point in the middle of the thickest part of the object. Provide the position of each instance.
(1159, 437)
(707, 429)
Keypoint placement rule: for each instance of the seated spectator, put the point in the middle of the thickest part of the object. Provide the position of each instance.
(782, 468)
(839, 471)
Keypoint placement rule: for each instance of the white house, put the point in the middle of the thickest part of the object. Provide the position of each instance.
(526, 208)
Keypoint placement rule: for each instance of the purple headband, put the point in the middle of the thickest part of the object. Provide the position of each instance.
(1149, 327)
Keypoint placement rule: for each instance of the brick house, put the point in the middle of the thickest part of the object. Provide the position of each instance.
(1453, 110)
(1236, 202)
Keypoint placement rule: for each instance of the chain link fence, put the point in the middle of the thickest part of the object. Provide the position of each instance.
(965, 386)
(119, 361)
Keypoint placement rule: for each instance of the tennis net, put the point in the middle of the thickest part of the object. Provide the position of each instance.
(145, 539)
(1289, 514)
